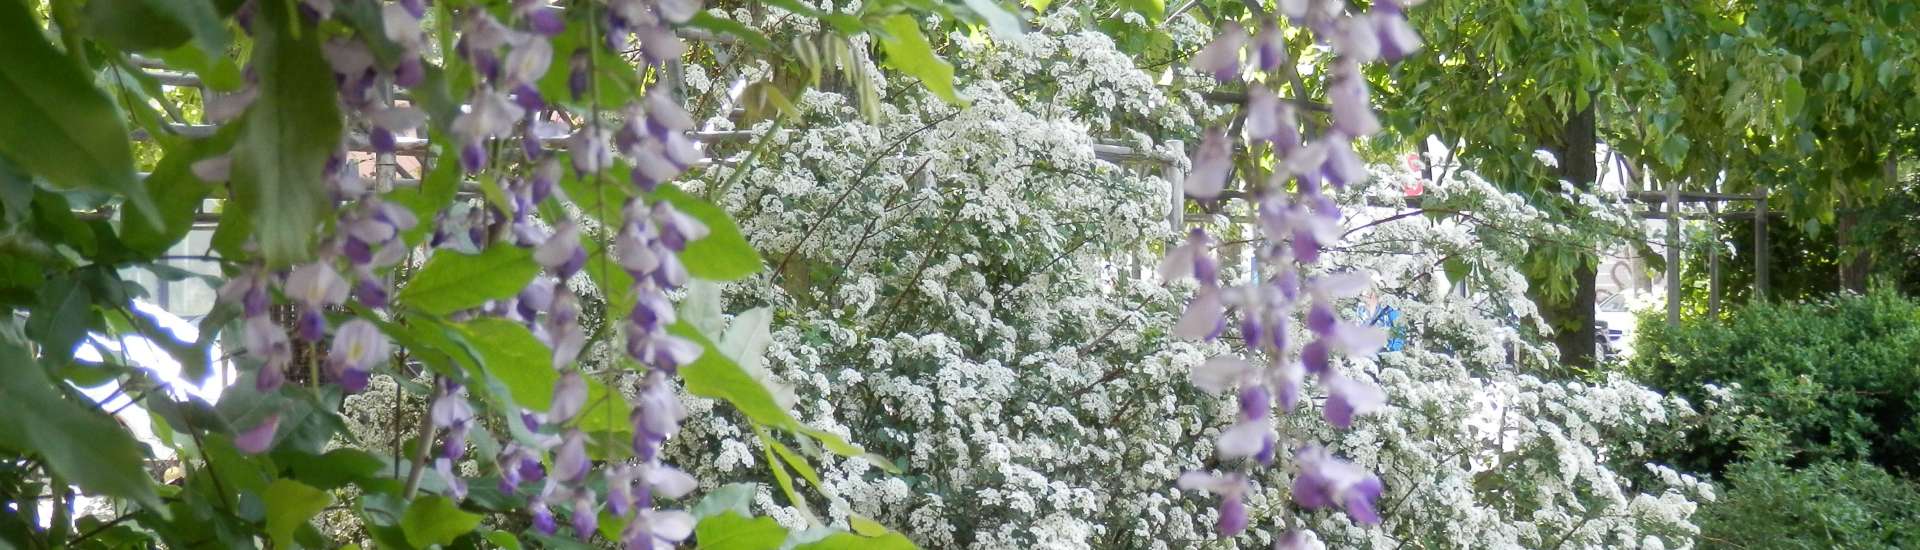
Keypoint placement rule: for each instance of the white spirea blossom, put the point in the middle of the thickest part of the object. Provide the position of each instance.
(969, 293)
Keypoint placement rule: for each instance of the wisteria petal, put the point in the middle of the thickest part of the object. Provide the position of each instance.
(670, 481)
(1221, 58)
(1220, 373)
(1212, 163)
(259, 438)
(672, 525)
(569, 397)
(570, 462)
(1202, 318)
(1244, 439)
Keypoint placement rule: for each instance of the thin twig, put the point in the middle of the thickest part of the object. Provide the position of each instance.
(419, 460)
(914, 282)
(95, 531)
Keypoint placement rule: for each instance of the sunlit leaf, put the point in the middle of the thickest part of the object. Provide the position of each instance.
(177, 194)
(289, 505)
(291, 130)
(78, 443)
(851, 541)
(732, 497)
(433, 519)
(708, 21)
(724, 254)
(519, 360)
(451, 281)
(157, 24)
(57, 124)
(715, 376)
(907, 50)
(732, 531)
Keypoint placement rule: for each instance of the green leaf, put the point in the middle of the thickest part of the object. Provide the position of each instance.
(76, 441)
(57, 124)
(732, 531)
(796, 7)
(733, 497)
(785, 481)
(62, 317)
(799, 463)
(290, 131)
(525, 366)
(746, 340)
(865, 527)
(1153, 10)
(907, 50)
(520, 361)
(133, 25)
(433, 519)
(216, 71)
(157, 24)
(503, 539)
(834, 443)
(1457, 270)
(615, 82)
(850, 541)
(177, 195)
(715, 376)
(1003, 23)
(701, 307)
(337, 468)
(451, 281)
(724, 254)
(839, 445)
(1674, 150)
(289, 505)
(708, 21)
(1793, 97)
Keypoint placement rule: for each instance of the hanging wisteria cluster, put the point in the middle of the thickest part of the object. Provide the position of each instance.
(1296, 220)
(508, 58)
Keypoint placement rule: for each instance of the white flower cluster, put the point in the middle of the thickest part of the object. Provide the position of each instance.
(966, 293)
(1477, 451)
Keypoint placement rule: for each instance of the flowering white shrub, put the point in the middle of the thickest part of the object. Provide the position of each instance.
(1477, 451)
(966, 292)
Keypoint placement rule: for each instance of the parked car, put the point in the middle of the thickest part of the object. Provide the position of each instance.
(1614, 324)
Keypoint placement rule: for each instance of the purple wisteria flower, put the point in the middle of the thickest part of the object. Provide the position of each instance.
(569, 397)
(357, 347)
(1297, 219)
(1231, 488)
(314, 287)
(561, 252)
(1221, 58)
(653, 528)
(259, 438)
(1325, 481)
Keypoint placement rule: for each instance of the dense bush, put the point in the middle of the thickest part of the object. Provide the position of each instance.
(1828, 505)
(1803, 383)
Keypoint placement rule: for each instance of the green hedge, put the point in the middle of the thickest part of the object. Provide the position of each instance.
(1833, 380)
(1828, 505)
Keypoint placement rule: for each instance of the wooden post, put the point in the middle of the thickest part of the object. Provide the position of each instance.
(385, 164)
(1135, 268)
(1176, 195)
(1713, 257)
(1673, 253)
(1760, 246)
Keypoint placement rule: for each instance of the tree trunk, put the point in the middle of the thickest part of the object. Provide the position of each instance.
(1573, 321)
(1853, 259)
